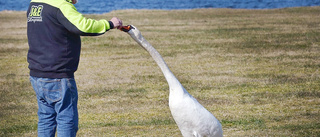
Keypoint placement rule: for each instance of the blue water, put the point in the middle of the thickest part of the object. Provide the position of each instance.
(103, 6)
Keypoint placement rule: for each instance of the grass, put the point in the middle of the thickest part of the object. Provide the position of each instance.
(257, 71)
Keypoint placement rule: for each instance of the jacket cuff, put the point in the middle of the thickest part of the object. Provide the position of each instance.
(111, 25)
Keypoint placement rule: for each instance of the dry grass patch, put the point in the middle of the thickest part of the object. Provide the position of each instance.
(257, 71)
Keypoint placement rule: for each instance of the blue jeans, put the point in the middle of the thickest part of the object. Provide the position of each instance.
(57, 106)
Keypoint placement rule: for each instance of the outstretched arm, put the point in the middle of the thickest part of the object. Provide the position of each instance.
(75, 22)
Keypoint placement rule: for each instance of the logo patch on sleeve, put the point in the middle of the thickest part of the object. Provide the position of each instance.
(35, 14)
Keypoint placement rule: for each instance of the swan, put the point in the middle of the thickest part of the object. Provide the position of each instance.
(192, 119)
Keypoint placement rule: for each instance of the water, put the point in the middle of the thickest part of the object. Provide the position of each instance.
(103, 6)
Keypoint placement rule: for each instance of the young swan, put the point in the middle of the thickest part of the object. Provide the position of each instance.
(191, 117)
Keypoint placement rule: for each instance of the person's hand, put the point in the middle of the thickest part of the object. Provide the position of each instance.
(117, 23)
(74, 1)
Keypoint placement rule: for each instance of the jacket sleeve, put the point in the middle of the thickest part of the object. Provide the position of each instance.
(76, 23)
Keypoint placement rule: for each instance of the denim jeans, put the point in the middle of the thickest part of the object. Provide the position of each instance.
(57, 106)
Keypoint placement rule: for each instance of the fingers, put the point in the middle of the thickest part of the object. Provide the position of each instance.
(117, 23)
(120, 24)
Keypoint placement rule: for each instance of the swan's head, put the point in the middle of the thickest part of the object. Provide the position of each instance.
(134, 33)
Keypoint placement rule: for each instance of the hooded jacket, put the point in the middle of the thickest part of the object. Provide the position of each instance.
(54, 28)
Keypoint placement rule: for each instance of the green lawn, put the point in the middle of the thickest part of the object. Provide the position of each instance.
(257, 71)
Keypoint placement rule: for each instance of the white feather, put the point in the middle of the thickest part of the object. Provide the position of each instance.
(191, 117)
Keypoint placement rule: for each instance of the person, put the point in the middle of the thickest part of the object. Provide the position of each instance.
(54, 28)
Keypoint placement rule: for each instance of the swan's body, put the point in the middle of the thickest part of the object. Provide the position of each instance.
(191, 117)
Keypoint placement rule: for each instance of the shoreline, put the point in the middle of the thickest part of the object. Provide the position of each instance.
(250, 9)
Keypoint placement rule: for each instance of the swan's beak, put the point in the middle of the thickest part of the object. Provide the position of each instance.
(126, 28)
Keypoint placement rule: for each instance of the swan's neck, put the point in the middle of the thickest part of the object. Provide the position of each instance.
(171, 79)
